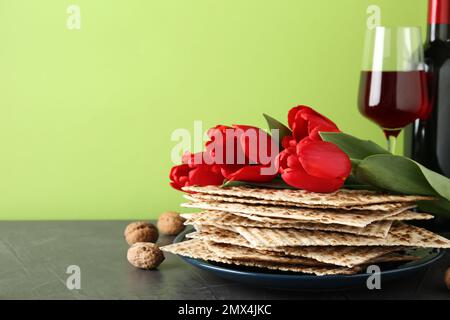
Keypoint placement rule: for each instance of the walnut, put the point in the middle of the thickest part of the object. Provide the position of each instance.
(145, 255)
(447, 278)
(170, 223)
(140, 232)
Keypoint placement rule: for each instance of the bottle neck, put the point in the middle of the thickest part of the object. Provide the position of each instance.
(438, 20)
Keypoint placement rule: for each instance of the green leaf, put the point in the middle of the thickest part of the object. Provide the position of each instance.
(402, 175)
(440, 207)
(372, 165)
(277, 125)
(353, 183)
(229, 184)
(355, 148)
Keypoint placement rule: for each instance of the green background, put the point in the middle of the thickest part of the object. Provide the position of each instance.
(86, 115)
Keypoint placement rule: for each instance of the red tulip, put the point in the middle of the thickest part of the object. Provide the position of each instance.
(248, 154)
(243, 153)
(192, 174)
(314, 166)
(238, 153)
(307, 123)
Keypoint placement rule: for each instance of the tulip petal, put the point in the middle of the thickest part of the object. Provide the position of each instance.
(224, 146)
(178, 171)
(316, 119)
(301, 180)
(200, 175)
(176, 186)
(258, 146)
(324, 160)
(288, 142)
(299, 128)
(318, 123)
(281, 161)
(293, 114)
(293, 162)
(177, 174)
(306, 122)
(314, 134)
(205, 176)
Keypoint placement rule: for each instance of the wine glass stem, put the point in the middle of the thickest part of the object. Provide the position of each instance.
(391, 143)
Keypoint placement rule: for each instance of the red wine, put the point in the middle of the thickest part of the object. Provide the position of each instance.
(393, 99)
(428, 140)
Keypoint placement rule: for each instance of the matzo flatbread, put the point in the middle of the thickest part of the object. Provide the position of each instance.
(365, 256)
(218, 218)
(248, 254)
(345, 256)
(197, 249)
(393, 257)
(214, 198)
(400, 235)
(222, 236)
(340, 198)
(342, 217)
(403, 216)
(409, 216)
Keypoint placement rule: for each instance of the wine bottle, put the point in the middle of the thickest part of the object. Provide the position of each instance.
(428, 140)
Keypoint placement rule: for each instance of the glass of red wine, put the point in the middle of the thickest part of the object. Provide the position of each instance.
(393, 88)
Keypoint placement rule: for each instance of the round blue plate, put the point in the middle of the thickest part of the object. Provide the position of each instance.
(302, 282)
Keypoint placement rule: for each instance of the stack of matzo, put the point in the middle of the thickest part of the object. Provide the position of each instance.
(299, 231)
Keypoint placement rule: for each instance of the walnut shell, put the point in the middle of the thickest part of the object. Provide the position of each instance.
(447, 278)
(170, 223)
(140, 232)
(145, 255)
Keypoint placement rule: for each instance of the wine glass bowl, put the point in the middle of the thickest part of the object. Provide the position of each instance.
(393, 99)
(393, 86)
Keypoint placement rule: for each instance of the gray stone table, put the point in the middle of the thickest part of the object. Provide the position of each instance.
(34, 257)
